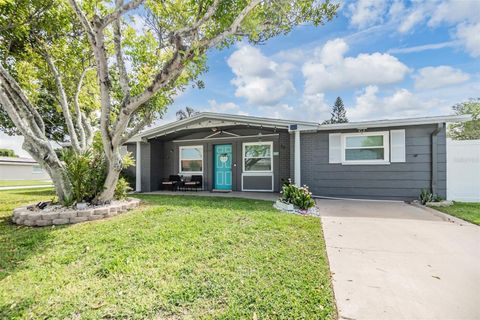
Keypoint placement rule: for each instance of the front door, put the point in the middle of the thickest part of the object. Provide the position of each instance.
(223, 166)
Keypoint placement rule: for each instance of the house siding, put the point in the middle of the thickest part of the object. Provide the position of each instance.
(397, 181)
(160, 157)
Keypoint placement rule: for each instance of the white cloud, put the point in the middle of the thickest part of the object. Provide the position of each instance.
(402, 103)
(259, 79)
(469, 35)
(411, 20)
(365, 13)
(465, 16)
(420, 48)
(454, 11)
(225, 107)
(330, 70)
(438, 77)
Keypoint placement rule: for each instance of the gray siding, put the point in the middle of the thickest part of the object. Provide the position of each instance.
(399, 181)
(163, 156)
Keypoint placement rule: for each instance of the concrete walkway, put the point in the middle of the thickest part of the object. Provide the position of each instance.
(26, 187)
(396, 261)
(269, 196)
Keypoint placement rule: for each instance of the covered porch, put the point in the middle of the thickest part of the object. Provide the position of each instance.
(229, 152)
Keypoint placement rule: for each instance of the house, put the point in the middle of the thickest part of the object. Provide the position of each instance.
(386, 159)
(21, 169)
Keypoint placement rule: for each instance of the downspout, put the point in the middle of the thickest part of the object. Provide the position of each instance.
(435, 157)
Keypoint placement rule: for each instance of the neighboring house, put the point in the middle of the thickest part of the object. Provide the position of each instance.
(386, 159)
(21, 169)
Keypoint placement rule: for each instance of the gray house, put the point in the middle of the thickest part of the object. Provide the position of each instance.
(386, 159)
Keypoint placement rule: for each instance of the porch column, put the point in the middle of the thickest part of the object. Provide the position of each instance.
(138, 168)
(297, 176)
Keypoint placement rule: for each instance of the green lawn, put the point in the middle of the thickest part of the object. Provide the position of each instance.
(14, 183)
(467, 211)
(174, 258)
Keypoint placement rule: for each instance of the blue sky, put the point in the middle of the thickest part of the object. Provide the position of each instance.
(386, 59)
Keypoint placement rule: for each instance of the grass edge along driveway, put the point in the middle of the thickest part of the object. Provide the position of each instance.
(175, 257)
(468, 211)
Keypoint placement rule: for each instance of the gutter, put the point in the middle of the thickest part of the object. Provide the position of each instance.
(434, 163)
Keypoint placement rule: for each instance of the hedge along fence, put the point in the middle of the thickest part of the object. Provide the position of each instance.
(37, 218)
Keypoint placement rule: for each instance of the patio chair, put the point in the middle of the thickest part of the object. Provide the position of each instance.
(172, 183)
(194, 183)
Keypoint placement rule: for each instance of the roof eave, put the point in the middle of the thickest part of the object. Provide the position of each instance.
(395, 123)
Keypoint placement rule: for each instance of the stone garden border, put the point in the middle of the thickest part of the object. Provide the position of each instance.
(37, 218)
(290, 208)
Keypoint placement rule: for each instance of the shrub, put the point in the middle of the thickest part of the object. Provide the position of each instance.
(300, 197)
(288, 190)
(87, 172)
(122, 188)
(427, 196)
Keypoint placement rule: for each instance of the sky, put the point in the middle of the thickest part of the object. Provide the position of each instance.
(385, 59)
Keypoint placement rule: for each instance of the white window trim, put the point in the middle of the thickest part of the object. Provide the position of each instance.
(386, 147)
(269, 143)
(180, 160)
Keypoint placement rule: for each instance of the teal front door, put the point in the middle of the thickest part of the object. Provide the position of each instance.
(223, 166)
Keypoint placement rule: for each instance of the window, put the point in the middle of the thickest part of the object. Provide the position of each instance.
(37, 169)
(365, 148)
(257, 157)
(191, 159)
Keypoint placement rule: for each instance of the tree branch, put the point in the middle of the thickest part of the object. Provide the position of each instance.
(83, 20)
(194, 28)
(119, 11)
(79, 114)
(146, 120)
(117, 41)
(63, 102)
(8, 79)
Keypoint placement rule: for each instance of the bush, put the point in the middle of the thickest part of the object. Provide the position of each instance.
(87, 172)
(427, 196)
(122, 188)
(300, 197)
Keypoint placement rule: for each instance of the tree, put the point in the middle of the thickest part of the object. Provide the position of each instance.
(469, 130)
(138, 72)
(8, 153)
(187, 113)
(339, 114)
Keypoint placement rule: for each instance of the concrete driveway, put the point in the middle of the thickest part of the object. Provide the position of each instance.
(391, 260)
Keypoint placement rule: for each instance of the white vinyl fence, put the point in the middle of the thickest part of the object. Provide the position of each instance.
(463, 170)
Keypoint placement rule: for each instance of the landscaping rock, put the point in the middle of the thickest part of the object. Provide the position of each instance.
(50, 215)
(78, 219)
(43, 223)
(60, 221)
(100, 211)
(67, 214)
(95, 217)
(57, 215)
(85, 213)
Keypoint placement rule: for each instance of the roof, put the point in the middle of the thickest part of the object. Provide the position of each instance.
(395, 122)
(211, 119)
(14, 160)
(218, 119)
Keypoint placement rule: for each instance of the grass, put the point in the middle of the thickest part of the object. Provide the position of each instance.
(14, 183)
(467, 211)
(174, 258)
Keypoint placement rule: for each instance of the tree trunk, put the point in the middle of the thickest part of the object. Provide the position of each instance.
(48, 159)
(114, 166)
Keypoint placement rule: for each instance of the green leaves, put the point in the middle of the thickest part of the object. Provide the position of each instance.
(469, 130)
